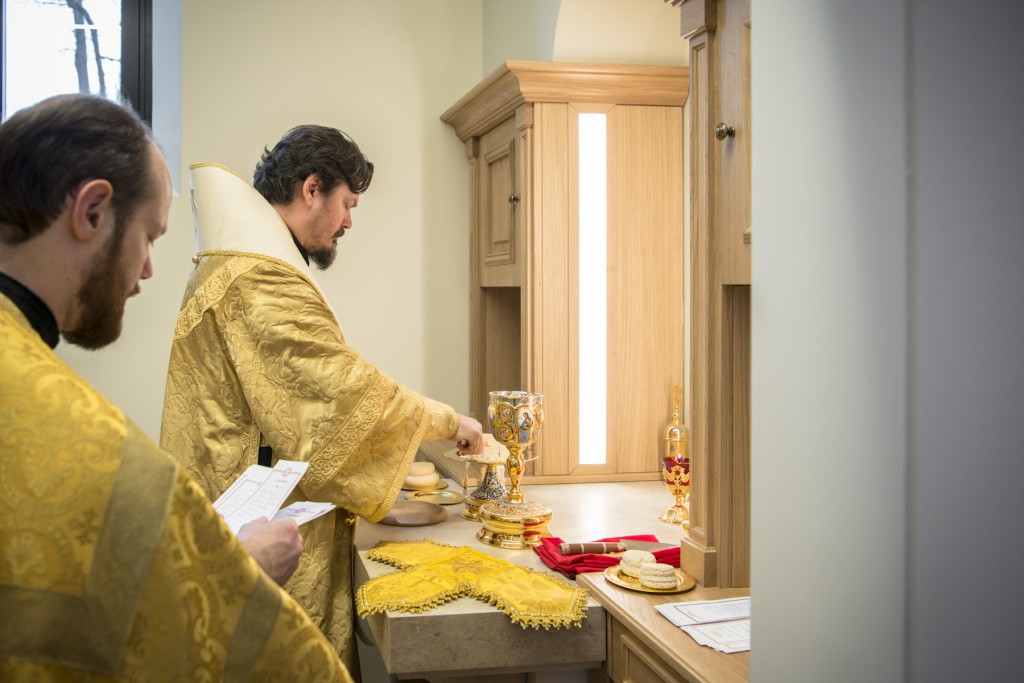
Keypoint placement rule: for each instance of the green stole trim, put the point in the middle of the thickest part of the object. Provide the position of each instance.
(255, 625)
(90, 631)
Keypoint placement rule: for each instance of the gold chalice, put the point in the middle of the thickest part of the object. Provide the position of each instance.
(676, 465)
(676, 475)
(515, 418)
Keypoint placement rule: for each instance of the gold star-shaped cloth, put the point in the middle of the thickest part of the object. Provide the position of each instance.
(434, 573)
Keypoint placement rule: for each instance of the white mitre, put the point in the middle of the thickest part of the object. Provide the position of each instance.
(230, 215)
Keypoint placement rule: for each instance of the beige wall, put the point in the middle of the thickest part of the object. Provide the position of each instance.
(619, 32)
(524, 29)
(382, 70)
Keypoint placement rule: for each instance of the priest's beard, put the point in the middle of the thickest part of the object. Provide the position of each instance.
(324, 258)
(101, 300)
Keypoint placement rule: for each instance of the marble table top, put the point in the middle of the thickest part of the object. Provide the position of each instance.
(467, 637)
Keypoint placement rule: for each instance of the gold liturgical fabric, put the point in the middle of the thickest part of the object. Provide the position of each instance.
(259, 358)
(113, 564)
(434, 573)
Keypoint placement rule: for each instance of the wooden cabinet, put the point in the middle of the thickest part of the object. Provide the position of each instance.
(717, 549)
(630, 661)
(645, 647)
(521, 127)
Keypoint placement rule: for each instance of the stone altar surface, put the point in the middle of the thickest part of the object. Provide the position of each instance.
(468, 637)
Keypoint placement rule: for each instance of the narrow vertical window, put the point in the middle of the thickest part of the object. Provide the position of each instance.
(593, 288)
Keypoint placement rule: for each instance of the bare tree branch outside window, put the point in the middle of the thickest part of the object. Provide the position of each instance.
(82, 17)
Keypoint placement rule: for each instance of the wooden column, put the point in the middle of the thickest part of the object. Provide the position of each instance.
(717, 549)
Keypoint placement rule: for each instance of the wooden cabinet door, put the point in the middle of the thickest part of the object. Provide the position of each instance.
(499, 202)
(733, 196)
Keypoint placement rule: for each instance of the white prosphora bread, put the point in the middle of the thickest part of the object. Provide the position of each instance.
(631, 560)
(422, 481)
(657, 575)
(419, 469)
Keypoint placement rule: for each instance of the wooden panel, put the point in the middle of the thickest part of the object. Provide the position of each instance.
(497, 214)
(645, 281)
(549, 278)
(733, 508)
(696, 16)
(633, 662)
(697, 554)
(733, 195)
(501, 310)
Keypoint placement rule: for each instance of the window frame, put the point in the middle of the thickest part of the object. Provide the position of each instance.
(136, 57)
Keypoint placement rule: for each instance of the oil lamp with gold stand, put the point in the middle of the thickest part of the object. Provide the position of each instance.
(676, 465)
(515, 523)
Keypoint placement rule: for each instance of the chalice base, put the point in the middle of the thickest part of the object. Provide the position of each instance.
(677, 514)
(513, 526)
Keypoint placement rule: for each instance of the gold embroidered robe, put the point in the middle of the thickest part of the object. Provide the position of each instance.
(258, 357)
(113, 564)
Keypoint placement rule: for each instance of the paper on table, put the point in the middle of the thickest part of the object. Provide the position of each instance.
(721, 624)
(724, 636)
(260, 491)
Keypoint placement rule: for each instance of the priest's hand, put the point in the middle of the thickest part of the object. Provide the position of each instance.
(276, 546)
(470, 436)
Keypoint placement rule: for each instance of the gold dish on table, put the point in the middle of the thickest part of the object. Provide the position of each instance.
(441, 484)
(439, 497)
(684, 582)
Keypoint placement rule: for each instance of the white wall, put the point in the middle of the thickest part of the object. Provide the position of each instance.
(886, 328)
(383, 71)
(620, 32)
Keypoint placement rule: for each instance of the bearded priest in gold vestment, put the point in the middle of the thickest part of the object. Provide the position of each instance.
(259, 361)
(113, 564)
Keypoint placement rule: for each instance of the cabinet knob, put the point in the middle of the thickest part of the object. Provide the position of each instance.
(723, 131)
(513, 198)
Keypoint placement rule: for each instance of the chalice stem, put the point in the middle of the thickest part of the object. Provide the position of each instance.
(515, 465)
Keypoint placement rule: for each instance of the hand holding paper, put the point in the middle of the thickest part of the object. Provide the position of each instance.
(276, 546)
(260, 491)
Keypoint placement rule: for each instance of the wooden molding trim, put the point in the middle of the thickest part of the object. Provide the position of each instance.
(696, 16)
(514, 83)
(699, 561)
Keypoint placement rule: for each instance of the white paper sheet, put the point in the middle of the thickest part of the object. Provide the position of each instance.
(721, 624)
(260, 491)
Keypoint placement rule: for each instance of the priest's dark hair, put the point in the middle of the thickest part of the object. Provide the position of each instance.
(48, 150)
(308, 149)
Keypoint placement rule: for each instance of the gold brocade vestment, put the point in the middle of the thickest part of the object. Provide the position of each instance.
(258, 357)
(113, 564)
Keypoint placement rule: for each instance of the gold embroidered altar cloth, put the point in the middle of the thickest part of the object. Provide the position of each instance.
(435, 573)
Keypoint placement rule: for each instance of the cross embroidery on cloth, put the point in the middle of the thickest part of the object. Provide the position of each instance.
(434, 573)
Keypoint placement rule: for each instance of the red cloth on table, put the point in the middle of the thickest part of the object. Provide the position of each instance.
(571, 565)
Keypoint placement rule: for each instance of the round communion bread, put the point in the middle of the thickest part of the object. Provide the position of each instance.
(419, 469)
(657, 575)
(423, 480)
(631, 560)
